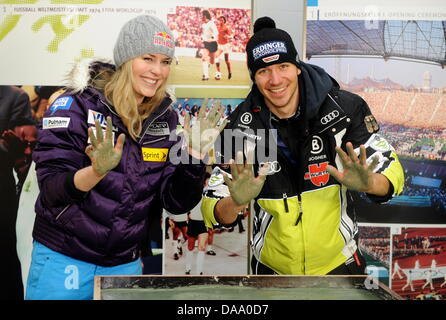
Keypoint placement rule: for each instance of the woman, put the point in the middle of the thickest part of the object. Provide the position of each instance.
(96, 200)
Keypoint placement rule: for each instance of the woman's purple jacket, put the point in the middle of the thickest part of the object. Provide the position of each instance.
(107, 225)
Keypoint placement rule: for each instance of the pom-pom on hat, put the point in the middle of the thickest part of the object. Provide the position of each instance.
(264, 22)
(269, 46)
(141, 35)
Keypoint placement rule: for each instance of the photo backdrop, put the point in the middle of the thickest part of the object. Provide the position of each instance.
(392, 54)
(40, 40)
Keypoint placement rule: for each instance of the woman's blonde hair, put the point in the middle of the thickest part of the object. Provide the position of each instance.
(118, 91)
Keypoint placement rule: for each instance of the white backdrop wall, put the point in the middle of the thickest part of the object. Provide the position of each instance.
(289, 15)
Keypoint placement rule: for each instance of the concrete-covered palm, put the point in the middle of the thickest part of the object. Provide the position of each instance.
(244, 186)
(104, 157)
(202, 135)
(357, 174)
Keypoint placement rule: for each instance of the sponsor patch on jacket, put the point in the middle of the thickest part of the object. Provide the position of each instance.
(55, 122)
(317, 174)
(155, 154)
(333, 115)
(371, 124)
(269, 48)
(94, 115)
(316, 145)
(163, 39)
(158, 129)
(246, 118)
(63, 103)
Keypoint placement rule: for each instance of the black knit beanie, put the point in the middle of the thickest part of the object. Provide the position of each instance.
(269, 46)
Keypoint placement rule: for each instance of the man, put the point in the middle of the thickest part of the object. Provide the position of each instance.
(17, 138)
(304, 220)
(409, 275)
(178, 225)
(209, 36)
(197, 233)
(30, 191)
(224, 46)
(397, 270)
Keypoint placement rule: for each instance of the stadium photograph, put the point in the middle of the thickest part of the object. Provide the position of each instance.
(374, 243)
(210, 51)
(419, 263)
(397, 67)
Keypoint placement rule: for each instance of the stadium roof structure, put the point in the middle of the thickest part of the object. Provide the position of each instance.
(419, 40)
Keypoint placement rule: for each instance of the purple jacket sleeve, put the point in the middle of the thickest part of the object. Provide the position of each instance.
(59, 154)
(182, 189)
(182, 185)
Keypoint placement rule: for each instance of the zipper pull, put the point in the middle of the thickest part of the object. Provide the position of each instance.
(299, 202)
(285, 202)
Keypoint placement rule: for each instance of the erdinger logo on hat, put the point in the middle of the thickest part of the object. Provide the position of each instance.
(163, 39)
(269, 48)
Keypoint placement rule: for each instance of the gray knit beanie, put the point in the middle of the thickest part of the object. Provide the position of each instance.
(140, 35)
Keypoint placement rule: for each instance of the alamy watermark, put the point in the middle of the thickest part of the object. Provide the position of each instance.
(258, 146)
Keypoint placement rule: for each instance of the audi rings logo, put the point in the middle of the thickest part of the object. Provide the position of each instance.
(273, 167)
(330, 117)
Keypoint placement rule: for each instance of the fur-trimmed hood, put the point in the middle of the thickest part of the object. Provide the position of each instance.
(86, 71)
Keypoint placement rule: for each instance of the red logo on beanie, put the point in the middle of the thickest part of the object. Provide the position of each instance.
(163, 39)
(164, 35)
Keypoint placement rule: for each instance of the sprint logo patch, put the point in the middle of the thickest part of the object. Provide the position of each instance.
(155, 154)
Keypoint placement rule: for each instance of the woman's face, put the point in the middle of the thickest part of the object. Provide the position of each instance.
(150, 71)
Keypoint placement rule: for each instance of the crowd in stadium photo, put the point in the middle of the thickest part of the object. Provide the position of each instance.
(425, 245)
(375, 241)
(409, 108)
(418, 142)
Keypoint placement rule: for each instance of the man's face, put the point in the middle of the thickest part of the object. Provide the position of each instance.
(279, 85)
(28, 136)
